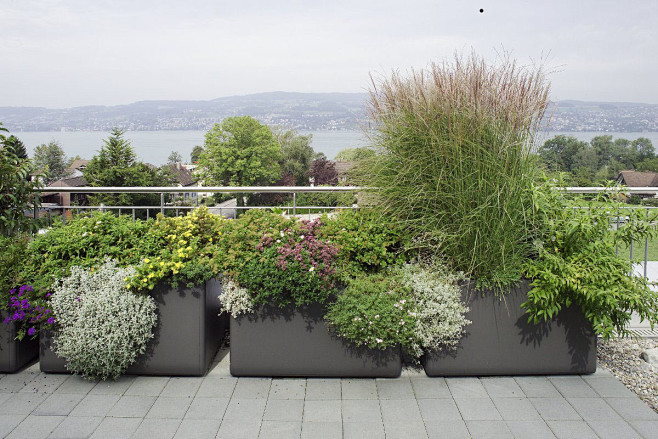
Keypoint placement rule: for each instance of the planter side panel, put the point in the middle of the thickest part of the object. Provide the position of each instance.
(296, 342)
(501, 342)
(14, 354)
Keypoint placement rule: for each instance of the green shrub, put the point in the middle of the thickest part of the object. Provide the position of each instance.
(13, 253)
(101, 326)
(576, 262)
(366, 240)
(454, 163)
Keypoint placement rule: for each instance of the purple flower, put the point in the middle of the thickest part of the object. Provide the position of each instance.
(51, 320)
(31, 331)
(7, 320)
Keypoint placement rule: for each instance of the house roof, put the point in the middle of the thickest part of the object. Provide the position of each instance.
(78, 164)
(343, 167)
(638, 178)
(69, 182)
(183, 176)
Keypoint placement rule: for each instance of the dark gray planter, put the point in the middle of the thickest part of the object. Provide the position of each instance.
(501, 342)
(295, 342)
(14, 354)
(188, 333)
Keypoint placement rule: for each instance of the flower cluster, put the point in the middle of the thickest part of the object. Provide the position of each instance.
(28, 311)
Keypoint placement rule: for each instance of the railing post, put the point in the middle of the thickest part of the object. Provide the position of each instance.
(294, 203)
(162, 203)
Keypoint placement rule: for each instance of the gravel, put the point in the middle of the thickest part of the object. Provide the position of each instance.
(622, 358)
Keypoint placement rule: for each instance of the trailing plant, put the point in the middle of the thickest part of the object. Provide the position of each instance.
(101, 326)
(28, 311)
(235, 300)
(180, 250)
(293, 266)
(366, 240)
(85, 241)
(577, 264)
(454, 163)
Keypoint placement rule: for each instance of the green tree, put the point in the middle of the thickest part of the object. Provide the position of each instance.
(648, 165)
(174, 157)
(354, 154)
(15, 146)
(643, 148)
(196, 153)
(558, 153)
(116, 165)
(50, 157)
(19, 194)
(240, 152)
(297, 155)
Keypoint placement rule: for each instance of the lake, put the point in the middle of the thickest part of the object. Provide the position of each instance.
(154, 146)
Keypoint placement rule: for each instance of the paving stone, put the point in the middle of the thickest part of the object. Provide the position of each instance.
(293, 388)
(535, 429)
(284, 410)
(537, 387)
(488, 429)
(182, 387)
(4, 397)
(116, 428)
(359, 388)
(95, 405)
(453, 429)
(15, 382)
(466, 388)
(397, 388)
(593, 409)
(320, 388)
(357, 410)
(555, 409)
(22, 403)
(132, 406)
(45, 383)
(608, 387)
(207, 408)
(648, 429)
(198, 429)
(35, 427)
(405, 430)
(435, 410)
(477, 409)
(76, 384)
(239, 429)
(169, 407)
(157, 429)
(613, 429)
(252, 388)
(363, 430)
(430, 388)
(571, 430)
(502, 387)
(400, 410)
(250, 410)
(147, 386)
(632, 409)
(516, 409)
(76, 427)
(217, 387)
(58, 404)
(117, 387)
(322, 410)
(322, 430)
(572, 387)
(9, 422)
(280, 430)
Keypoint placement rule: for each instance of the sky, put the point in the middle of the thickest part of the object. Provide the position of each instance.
(60, 54)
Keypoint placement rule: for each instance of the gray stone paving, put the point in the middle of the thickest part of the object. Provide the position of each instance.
(413, 406)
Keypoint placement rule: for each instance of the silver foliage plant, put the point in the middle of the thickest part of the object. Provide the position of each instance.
(441, 313)
(102, 327)
(234, 299)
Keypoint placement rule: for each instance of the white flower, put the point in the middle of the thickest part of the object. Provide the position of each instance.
(402, 322)
(84, 234)
(282, 234)
(311, 269)
(301, 237)
(376, 316)
(379, 340)
(396, 305)
(403, 301)
(278, 240)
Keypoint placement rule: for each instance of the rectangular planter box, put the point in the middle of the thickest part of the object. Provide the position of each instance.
(501, 342)
(187, 334)
(296, 342)
(14, 354)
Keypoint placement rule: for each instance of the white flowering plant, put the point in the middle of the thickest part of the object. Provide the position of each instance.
(235, 300)
(101, 327)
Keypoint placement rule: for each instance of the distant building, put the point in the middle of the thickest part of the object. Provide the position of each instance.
(184, 178)
(638, 179)
(77, 167)
(342, 169)
(66, 198)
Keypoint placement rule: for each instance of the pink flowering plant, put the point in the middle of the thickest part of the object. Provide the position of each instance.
(28, 311)
(293, 265)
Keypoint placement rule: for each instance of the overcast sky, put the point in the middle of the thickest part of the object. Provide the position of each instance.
(84, 52)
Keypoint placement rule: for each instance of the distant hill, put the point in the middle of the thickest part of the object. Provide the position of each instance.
(304, 111)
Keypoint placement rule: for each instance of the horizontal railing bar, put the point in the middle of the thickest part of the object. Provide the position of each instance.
(626, 190)
(197, 189)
